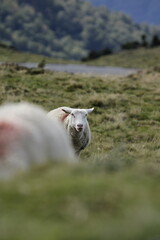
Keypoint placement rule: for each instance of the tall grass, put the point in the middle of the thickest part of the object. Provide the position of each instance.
(113, 193)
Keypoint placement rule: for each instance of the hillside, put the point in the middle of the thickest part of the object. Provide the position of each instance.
(11, 55)
(140, 10)
(113, 193)
(138, 58)
(66, 28)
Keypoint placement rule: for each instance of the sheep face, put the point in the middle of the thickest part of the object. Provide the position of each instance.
(78, 118)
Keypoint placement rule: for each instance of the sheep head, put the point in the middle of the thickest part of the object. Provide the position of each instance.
(77, 117)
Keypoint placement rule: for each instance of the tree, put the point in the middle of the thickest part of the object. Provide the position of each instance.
(155, 41)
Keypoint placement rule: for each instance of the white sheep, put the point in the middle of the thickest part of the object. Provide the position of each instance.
(28, 137)
(76, 124)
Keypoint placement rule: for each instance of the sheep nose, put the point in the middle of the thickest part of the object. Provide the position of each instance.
(80, 125)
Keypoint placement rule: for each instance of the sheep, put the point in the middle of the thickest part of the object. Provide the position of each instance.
(28, 137)
(76, 124)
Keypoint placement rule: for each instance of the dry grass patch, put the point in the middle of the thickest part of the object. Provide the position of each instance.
(116, 183)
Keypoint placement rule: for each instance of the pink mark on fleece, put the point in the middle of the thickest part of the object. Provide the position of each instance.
(64, 116)
(8, 132)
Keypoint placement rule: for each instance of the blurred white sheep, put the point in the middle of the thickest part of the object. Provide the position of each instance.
(28, 137)
(76, 124)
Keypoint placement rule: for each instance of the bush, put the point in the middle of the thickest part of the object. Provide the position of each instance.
(155, 41)
(96, 54)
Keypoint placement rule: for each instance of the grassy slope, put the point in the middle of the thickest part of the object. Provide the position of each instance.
(140, 58)
(114, 192)
(10, 55)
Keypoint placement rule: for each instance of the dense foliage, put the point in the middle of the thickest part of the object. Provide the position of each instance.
(66, 28)
(139, 10)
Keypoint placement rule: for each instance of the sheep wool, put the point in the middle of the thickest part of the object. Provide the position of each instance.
(75, 122)
(28, 137)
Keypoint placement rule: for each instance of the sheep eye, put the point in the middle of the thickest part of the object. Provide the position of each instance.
(72, 114)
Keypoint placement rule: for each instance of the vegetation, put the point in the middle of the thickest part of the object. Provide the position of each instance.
(155, 42)
(9, 54)
(66, 28)
(113, 193)
(137, 58)
(97, 54)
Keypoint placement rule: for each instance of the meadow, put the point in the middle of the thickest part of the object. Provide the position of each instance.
(113, 192)
(137, 58)
(141, 58)
(10, 55)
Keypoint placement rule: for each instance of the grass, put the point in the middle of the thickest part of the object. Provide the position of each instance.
(140, 58)
(10, 55)
(60, 202)
(113, 193)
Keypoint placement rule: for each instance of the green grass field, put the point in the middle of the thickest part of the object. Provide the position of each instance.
(12, 56)
(113, 192)
(140, 58)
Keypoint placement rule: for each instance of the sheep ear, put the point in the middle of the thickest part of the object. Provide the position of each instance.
(89, 110)
(67, 109)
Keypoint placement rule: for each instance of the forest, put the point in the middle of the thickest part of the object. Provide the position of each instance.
(68, 29)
